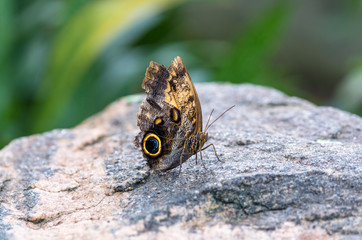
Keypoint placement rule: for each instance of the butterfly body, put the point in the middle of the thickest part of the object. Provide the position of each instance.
(195, 143)
(170, 118)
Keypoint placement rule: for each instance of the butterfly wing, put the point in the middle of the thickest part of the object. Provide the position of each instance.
(170, 113)
(186, 96)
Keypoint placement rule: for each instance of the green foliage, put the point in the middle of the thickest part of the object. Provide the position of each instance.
(248, 58)
(61, 61)
(349, 93)
(7, 128)
(45, 58)
(77, 46)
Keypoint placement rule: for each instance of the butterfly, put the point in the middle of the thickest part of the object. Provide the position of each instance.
(170, 118)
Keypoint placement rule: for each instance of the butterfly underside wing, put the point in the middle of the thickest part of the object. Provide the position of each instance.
(170, 118)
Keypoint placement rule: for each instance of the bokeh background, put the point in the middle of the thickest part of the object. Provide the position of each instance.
(62, 61)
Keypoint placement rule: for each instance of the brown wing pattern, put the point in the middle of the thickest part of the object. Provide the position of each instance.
(168, 91)
(185, 95)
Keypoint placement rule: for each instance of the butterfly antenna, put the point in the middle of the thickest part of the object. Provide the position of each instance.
(219, 117)
(208, 120)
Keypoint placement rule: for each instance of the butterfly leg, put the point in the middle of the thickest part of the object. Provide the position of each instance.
(202, 161)
(196, 157)
(183, 150)
(214, 151)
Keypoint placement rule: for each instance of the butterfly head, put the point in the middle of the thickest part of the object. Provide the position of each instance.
(203, 137)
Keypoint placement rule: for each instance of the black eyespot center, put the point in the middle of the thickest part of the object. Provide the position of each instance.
(152, 145)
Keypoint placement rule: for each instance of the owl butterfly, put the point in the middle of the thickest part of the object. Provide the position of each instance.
(170, 118)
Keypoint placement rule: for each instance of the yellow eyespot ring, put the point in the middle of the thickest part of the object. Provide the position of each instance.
(152, 145)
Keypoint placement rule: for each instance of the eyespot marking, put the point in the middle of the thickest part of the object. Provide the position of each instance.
(152, 145)
(175, 115)
(158, 121)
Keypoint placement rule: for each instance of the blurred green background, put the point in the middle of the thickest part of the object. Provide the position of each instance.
(62, 61)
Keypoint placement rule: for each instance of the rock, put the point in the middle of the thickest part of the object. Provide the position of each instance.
(291, 170)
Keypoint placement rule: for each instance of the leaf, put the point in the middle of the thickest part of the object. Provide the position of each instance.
(349, 93)
(247, 57)
(6, 27)
(78, 45)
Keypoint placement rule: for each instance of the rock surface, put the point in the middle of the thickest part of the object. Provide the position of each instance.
(292, 170)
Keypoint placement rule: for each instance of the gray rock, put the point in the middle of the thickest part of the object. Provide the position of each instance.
(292, 170)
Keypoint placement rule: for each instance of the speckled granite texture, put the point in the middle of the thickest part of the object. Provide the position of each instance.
(291, 170)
